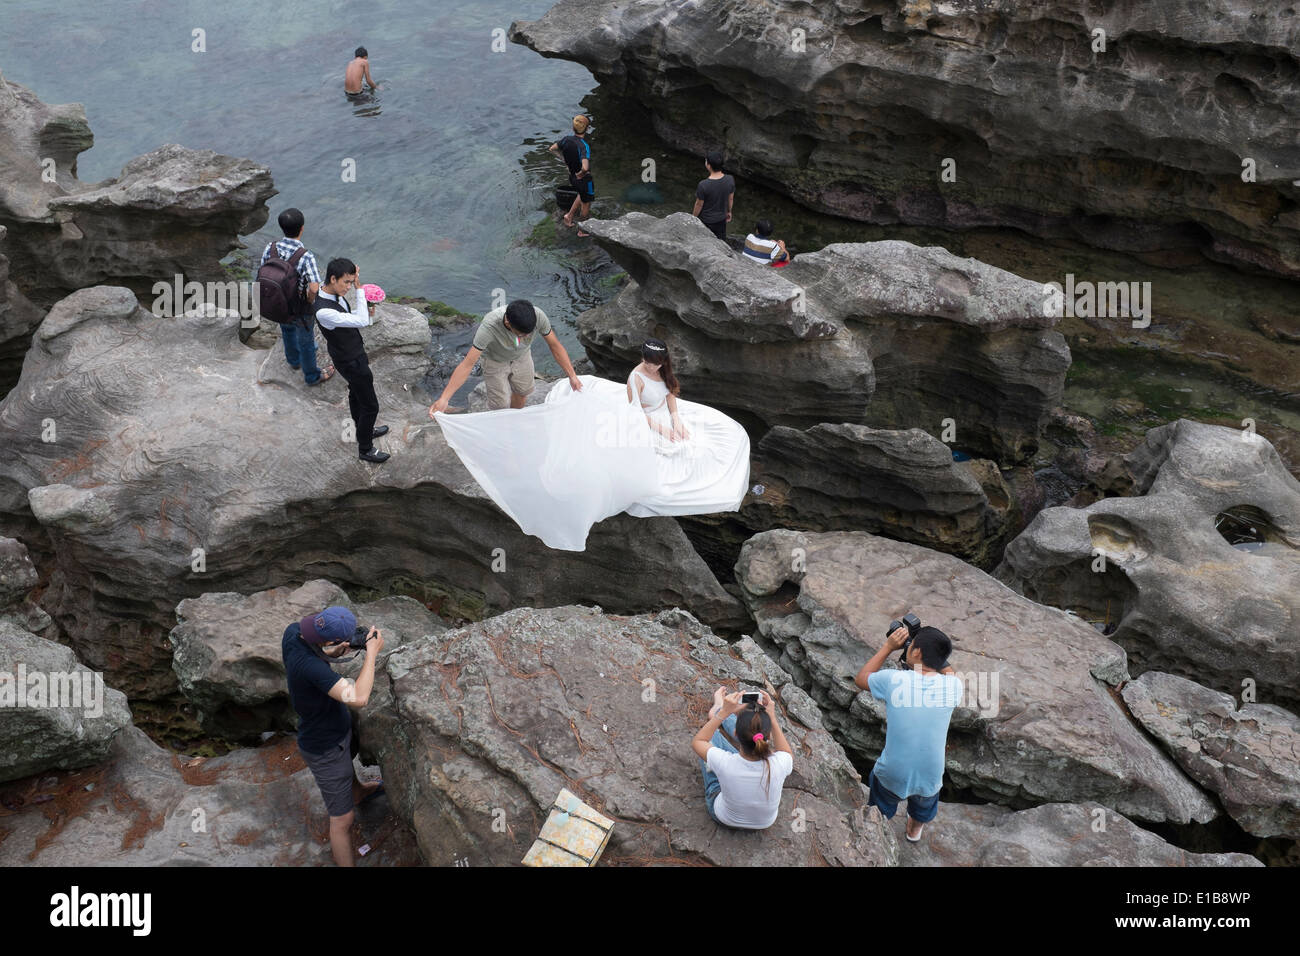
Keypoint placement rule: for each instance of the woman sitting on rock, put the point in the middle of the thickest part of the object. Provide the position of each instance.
(742, 789)
(583, 455)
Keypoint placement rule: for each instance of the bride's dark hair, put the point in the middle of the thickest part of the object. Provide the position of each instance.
(654, 352)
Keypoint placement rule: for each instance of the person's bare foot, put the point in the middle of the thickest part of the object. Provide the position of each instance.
(717, 701)
(914, 834)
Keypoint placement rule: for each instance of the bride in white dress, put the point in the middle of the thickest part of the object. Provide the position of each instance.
(559, 467)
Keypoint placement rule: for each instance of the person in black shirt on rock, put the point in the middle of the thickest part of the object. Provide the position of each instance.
(714, 196)
(322, 699)
(341, 322)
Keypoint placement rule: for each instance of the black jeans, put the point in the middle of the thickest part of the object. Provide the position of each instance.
(363, 403)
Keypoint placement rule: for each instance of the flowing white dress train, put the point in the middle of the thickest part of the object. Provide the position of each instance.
(559, 467)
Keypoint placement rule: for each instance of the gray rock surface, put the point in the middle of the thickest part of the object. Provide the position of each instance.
(886, 334)
(479, 729)
(1185, 600)
(144, 806)
(902, 484)
(1039, 721)
(186, 463)
(856, 115)
(228, 660)
(18, 318)
(173, 210)
(54, 712)
(1249, 757)
(1054, 834)
(18, 578)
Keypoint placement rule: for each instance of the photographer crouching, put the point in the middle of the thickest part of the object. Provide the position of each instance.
(919, 701)
(322, 698)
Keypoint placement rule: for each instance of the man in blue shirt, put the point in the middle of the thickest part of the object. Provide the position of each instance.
(918, 706)
(322, 698)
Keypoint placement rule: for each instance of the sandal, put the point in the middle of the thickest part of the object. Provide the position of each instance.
(326, 374)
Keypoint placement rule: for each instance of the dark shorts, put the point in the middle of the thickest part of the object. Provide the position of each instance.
(920, 809)
(718, 228)
(333, 773)
(585, 188)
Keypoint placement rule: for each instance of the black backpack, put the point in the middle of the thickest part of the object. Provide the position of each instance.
(277, 287)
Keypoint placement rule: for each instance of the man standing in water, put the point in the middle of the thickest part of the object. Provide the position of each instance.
(358, 68)
(577, 156)
(505, 339)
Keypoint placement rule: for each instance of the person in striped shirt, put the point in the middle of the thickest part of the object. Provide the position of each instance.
(761, 247)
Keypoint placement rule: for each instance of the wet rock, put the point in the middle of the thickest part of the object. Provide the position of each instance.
(885, 334)
(1158, 566)
(1039, 721)
(1250, 756)
(478, 729)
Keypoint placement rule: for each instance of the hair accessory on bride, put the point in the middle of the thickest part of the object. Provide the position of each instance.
(654, 346)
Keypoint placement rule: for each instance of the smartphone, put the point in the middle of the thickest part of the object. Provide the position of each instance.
(750, 697)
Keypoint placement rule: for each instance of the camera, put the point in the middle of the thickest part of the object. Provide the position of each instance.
(913, 624)
(358, 639)
(750, 697)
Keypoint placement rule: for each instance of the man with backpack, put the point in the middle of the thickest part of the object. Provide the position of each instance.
(577, 156)
(287, 281)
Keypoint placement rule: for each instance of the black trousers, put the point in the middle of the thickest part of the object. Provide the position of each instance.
(718, 228)
(363, 403)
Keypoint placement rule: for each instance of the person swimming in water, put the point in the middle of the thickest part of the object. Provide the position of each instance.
(358, 69)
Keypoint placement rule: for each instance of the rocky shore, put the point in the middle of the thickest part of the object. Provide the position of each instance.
(1125, 616)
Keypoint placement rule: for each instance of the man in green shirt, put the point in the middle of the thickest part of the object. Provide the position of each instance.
(504, 339)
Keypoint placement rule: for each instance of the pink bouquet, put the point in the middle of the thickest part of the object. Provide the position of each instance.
(374, 295)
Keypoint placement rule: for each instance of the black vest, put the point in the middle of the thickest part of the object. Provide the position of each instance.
(345, 345)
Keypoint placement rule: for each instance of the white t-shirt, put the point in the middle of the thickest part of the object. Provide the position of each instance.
(742, 802)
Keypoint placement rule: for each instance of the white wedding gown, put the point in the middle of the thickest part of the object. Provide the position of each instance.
(559, 467)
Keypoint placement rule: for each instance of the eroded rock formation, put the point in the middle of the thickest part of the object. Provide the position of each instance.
(857, 112)
(185, 463)
(1183, 599)
(886, 334)
(172, 211)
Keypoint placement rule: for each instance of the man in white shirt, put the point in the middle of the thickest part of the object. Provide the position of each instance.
(341, 322)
